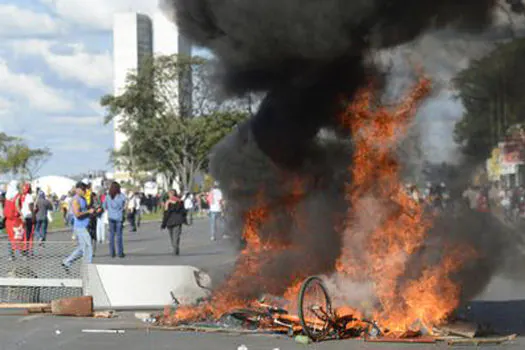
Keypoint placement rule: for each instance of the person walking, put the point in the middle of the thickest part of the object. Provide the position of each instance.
(215, 202)
(174, 217)
(100, 214)
(2, 218)
(133, 207)
(82, 216)
(27, 209)
(43, 207)
(189, 205)
(115, 206)
(14, 224)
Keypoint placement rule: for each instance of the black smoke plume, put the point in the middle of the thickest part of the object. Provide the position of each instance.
(305, 56)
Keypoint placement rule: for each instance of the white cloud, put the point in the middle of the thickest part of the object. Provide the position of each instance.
(75, 145)
(91, 69)
(98, 14)
(17, 21)
(5, 106)
(77, 121)
(33, 90)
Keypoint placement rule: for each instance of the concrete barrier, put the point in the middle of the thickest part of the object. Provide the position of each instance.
(121, 287)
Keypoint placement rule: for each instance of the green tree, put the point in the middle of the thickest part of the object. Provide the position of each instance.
(491, 90)
(166, 133)
(17, 158)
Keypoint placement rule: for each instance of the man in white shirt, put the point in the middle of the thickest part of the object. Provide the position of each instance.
(215, 201)
(27, 203)
(133, 207)
(189, 206)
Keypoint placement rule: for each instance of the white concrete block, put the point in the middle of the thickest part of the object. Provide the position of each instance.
(143, 287)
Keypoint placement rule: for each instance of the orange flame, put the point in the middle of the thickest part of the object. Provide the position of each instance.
(395, 226)
(401, 228)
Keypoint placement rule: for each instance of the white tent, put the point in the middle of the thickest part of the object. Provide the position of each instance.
(58, 185)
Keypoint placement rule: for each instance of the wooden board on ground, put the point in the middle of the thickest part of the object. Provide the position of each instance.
(477, 341)
(460, 328)
(420, 340)
(79, 307)
(27, 306)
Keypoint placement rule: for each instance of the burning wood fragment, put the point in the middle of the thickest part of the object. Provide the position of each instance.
(458, 328)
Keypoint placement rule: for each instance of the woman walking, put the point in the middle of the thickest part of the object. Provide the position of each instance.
(115, 206)
(174, 217)
(101, 217)
(14, 225)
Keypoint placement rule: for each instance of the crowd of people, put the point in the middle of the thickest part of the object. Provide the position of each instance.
(91, 212)
(435, 196)
(506, 201)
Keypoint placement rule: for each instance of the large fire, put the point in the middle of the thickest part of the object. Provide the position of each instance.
(396, 229)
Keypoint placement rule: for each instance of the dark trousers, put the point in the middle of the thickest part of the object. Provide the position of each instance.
(132, 220)
(41, 229)
(189, 216)
(115, 233)
(29, 228)
(175, 233)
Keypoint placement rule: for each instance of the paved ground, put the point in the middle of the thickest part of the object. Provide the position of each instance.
(501, 305)
(151, 246)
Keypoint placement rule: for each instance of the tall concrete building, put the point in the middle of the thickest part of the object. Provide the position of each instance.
(132, 44)
(137, 37)
(167, 40)
(166, 37)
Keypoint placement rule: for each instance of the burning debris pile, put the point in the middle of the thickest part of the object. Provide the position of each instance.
(312, 180)
(402, 307)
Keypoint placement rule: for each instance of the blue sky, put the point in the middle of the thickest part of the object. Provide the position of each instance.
(55, 64)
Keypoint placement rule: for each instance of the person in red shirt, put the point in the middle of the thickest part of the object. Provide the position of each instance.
(14, 223)
(483, 201)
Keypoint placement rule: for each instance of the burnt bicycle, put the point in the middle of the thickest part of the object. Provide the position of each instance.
(320, 322)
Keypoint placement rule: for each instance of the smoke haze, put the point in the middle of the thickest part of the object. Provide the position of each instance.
(307, 55)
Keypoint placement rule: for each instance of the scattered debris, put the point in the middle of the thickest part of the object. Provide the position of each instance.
(142, 315)
(484, 340)
(79, 307)
(104, 331)
(105, 314)
(302, 339)
(269, 316)
(242, 347)
(58, 332)
(459, 328)
(25, 306)
(419, 340)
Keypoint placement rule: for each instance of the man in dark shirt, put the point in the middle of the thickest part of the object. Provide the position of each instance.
(43, 207)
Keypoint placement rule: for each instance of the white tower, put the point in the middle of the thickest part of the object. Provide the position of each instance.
(132, 44)
(167, 40)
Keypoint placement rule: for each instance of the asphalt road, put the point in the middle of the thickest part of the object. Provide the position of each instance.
(151, 246)
(502, 305)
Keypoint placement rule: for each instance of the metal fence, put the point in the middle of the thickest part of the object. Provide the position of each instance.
(36, 275)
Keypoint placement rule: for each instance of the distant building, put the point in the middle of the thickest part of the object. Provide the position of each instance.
(167, 40)
(137, 37)
(132, 44)
(166, 37)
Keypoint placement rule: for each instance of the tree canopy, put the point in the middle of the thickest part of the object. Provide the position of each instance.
(17, 158)
(166, 131)
(491, 89)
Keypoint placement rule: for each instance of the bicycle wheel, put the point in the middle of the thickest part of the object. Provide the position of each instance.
(315, 309)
